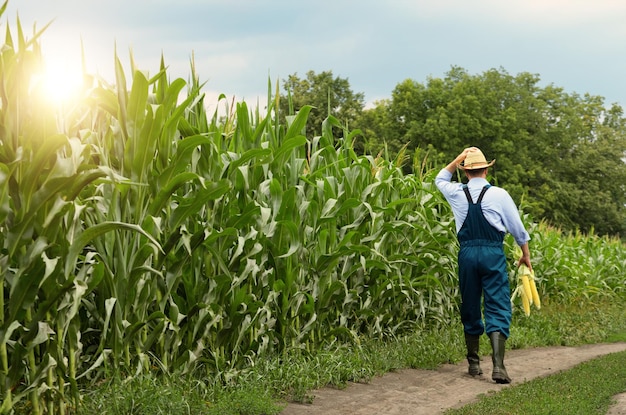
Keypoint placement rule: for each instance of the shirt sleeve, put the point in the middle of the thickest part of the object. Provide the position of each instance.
(443, 183)
(512, 220)
(454, 195)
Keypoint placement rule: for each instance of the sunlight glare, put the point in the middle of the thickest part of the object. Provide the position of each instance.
(61, 82)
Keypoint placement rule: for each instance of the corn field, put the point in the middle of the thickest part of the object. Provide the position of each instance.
(139, 233)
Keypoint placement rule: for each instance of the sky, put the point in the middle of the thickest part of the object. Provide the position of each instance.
(238, 46)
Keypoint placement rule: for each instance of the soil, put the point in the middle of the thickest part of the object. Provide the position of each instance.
(429, 392)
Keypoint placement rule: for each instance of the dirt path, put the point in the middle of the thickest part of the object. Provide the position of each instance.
(429, 392)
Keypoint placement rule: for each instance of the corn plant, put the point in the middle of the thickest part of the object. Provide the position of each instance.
(43, 277)
(574, 266)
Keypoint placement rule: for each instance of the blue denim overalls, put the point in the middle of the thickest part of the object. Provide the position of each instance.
(483, 271)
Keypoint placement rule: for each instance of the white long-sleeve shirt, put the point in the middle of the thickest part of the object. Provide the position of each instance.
(498, 207)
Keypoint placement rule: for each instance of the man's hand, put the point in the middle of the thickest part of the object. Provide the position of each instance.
(525, 258)
(459, 159)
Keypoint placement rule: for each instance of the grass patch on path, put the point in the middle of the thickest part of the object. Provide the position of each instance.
(586, 389)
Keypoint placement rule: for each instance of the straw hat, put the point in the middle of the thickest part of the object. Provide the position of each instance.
(475, 160)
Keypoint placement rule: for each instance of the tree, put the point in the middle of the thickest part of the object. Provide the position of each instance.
(328, 95)
(562, 154)
(376, 129)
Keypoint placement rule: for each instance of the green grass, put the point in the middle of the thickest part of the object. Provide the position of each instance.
(264, 388)
(586, 389)
(146, 395)
(574, 323)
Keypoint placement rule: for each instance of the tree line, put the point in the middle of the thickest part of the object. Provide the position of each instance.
(560, 154)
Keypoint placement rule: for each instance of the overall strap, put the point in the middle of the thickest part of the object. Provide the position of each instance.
(480, 197)
(467, 194)
(482, 193)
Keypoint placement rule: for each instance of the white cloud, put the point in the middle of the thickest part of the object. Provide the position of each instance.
(239, 44)
(535, 13)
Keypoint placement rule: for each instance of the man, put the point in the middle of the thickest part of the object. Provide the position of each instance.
(483, 214)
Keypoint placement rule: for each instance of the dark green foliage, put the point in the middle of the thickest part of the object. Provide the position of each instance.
(328, 95)
(560, 155)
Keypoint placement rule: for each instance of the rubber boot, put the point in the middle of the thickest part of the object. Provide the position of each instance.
(499, 374)
(473, 342)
